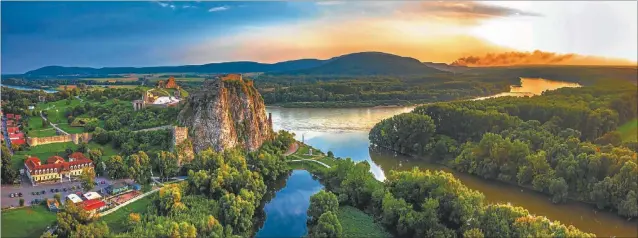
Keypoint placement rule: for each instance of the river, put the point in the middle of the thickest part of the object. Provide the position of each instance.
(345, 133)
(27, 88)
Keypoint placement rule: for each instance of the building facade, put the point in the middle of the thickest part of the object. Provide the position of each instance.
(56, 169)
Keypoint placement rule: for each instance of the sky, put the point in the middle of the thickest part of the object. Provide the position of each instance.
(154, 33)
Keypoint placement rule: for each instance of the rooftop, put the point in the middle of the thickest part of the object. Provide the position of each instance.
(74, 198)
(89, 205)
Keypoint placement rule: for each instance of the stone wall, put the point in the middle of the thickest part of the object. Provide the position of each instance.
(75, 138)
(180, 134)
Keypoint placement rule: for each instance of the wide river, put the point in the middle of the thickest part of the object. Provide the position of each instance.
(345, 133)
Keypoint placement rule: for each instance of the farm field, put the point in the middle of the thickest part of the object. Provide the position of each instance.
(26, 222)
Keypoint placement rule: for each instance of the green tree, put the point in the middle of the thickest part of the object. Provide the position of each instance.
(473, 233)
(21, 202)
(320, 203)
(9, 175)
(93, 230)
(139, 167)
(116, 167)
(88, 178)
(559, 190)
(70, 218)
(167, 164)
(328, 226)
(57, 197)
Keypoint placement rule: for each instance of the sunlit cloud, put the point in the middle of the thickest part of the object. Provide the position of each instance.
(218, 9)
(537, 58)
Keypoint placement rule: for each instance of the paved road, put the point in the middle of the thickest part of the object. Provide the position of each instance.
(5, 133)
(26, 188)
(53, 125)
(316, 161)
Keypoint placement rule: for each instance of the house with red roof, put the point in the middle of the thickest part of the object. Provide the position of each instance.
(93, 206)
(56, 169)
(10, 115)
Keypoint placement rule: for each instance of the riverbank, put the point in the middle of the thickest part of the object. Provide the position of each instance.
(354, 222)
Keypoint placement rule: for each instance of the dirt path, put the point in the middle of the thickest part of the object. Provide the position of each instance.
(292, 149)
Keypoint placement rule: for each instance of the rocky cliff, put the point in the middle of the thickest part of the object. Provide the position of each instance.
(225, 114)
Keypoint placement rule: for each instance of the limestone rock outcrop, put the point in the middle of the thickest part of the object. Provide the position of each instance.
(224, 114)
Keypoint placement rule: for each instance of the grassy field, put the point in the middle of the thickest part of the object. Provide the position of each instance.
(70, 129)
(26, 222)
(356, 223)
(37, 130)
(629, 130)
(117, 220)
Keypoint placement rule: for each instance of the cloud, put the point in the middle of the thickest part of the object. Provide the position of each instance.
(536, 58)
(328, 3)
(188, 6)
(467, 12)
(218, 9)
(163, 4)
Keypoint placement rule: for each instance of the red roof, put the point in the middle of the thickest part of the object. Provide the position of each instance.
(17, 117)
(18, 142)
(32, 162)
(89, 205)
(10, 115)
(77, 156)
(61, 165)
(12, 129)
(54, 159)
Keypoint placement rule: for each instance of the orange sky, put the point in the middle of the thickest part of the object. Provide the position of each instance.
(439, 32)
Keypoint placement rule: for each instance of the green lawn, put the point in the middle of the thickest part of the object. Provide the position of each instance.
(629, 130)
(356, 223)
(117, 220)
(70, 129)
(26, 222)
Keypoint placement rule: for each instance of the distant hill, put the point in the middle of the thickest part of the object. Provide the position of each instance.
(364, 63)
(368, 63)
(226, 67)
(446, 67)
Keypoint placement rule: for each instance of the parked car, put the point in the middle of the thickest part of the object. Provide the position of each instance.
(11, 195)
(57, 190)
(32, 193)
(64, 189)
(43, 192)
(19, 194)
(37, 193)
(52, 190)
(102, 182)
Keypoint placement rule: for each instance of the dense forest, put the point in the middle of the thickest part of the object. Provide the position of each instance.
(221, 197)
(339, 90)
(422, 204)
(562, 143)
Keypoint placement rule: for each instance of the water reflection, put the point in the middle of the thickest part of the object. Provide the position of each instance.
(286, 212)
(533, 86)
(345, 133)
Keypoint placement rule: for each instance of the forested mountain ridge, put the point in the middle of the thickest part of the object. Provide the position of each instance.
(225, 67)
(563, 143)
(369, 63)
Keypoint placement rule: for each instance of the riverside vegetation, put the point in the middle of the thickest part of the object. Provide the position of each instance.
(563, 143)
